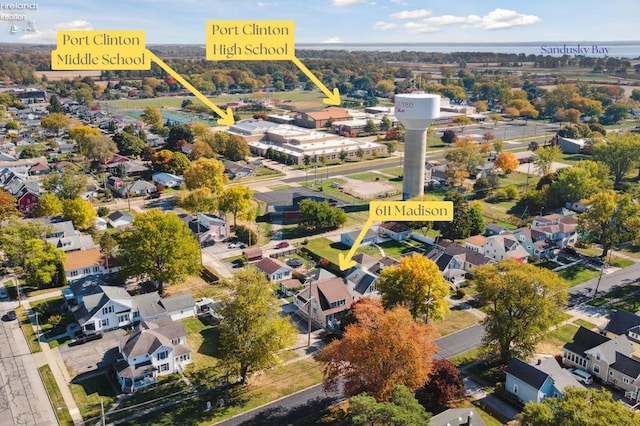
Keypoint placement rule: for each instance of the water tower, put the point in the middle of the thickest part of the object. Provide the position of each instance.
(416, 111)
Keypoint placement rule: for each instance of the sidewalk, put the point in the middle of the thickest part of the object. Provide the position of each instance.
(53, 358)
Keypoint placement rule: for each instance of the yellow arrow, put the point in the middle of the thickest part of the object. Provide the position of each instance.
(333, 98)
(346, 262)
(226, 118)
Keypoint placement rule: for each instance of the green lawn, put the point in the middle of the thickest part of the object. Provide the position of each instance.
(268, 386)
(621, 263)
(584, 323)
(203, 342)
(326, 248)
(89, 392)
(27, 329)
(468, 357)
(455, 320)
(577, 274)
(564, 333)
(59, 407)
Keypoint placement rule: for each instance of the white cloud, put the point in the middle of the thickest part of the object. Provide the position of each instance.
(400, 2)
(412, 14)
(49, 34)
(423, 21)
(420, 27)
(343, 3)
(332, 40)
(385, 26)
(501, 19)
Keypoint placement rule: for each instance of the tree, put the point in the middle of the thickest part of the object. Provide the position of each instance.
(466, 153)
(521, 301)
(108, 247)
(620, 153)
(237, 201)
(460, 227)
(578, 182)
(30, 152)
(417, 284)
(199, 200)
(252, 330)
(80, 212)
(55, 105)
(488, 136)
(246, 235)
(80, 135)
(320, 215)
(443, 386)
(100, 148)
(449, 136)
(236, 148)
(585, 407)
(402, 409)
(609, 219)
(128, 144)
(477, 224)
(461, 121)
(545, 157)
(152, 116)
(163, 248)
(529, 112)
(66, 185)
(498, 146)
(42, 263)
(54, 122)
(380, 350)
(179, 163)
(8, 207)
(615, 113)
(495, 117)
(179, 134)
(48, 205)
(370, 126)
(385, 124)
(14, 235)
(507, 161)
(205, 173)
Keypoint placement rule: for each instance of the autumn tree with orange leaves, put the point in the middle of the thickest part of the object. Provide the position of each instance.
(507, 161)
(380, 350)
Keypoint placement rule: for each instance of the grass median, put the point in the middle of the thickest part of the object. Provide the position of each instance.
(59, 407)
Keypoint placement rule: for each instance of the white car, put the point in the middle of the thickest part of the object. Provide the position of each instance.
(581, 375)
(235, 245)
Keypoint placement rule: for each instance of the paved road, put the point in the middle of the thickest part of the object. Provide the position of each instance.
(460, 342)
(23, 399)
(289, 409)
(584, 292)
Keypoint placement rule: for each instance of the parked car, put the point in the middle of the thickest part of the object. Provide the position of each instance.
(87, 337)
(581, 375)
(235, 245)
(11, 316)
(153, 196)
(3, 293)
(281, 245)
(294, 262)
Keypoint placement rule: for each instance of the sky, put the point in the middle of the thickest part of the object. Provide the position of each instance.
(333, 21)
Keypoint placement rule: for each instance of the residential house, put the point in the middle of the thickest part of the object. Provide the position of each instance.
(136, 188)
(217, 228)
(27, 199)
(476, 243)
(361, 283)
(397, 231)
(158, 348)
(470, 259)
(167, 180)
(274, 269)
(624, 323)
(494, 229)
(82, 287)
(120, 219)
(349, 238)
(534, 383)
(39, 169)
(451, 267)
(114, 307)
(505, 246)
(329, 301)
(252, 254)
(574, 353)
(237, 170)
(80, 263)
(377, 266)
(467, 416)
(73, 242)
(561, 229)
(535, 242)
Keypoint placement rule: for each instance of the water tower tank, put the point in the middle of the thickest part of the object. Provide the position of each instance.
(416, 111)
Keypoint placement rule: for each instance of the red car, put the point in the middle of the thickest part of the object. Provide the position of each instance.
(282, 245)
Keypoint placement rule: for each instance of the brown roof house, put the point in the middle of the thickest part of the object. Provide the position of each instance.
(274, 269)
(326, 300)
(82, 263)
(158, 348)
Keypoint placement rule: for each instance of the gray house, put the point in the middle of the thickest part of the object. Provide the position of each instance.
(545, 379)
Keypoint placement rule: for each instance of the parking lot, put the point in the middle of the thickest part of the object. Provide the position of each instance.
(92, 356)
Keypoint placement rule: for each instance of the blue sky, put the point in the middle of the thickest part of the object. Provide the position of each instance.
(346, 21)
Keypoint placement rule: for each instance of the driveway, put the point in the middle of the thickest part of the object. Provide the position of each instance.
(91, 356)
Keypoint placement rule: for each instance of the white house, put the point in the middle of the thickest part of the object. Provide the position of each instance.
(349, 238)
(120, 219)
(329, 301)
(114, 307)
(158, 348)
(274, 269)
(81, 263)
(167, 180)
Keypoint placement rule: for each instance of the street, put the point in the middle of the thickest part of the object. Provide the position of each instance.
(23, 399)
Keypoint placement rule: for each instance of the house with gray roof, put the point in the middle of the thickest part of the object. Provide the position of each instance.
(158, 348)
(349, 238)
(114, 307)
(611, 360)
(535, 382)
